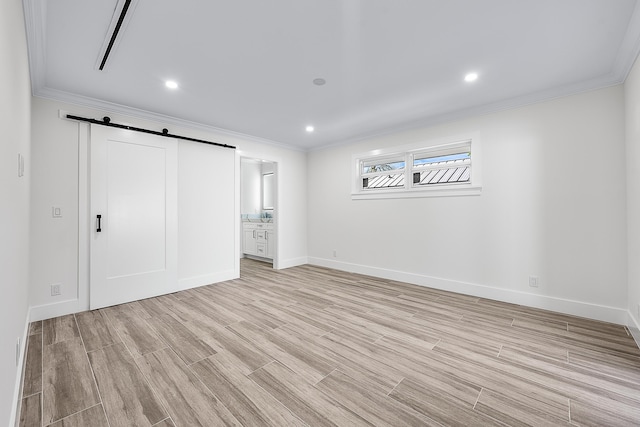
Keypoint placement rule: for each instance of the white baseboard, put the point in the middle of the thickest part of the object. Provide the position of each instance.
(62, 308)
(634, 328)
(292, 262)
(575, 308)
(17, 391)
(207, 279)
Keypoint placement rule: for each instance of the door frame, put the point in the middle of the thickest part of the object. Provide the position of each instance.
(276, 204)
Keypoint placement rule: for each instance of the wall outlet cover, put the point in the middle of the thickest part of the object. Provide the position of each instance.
(56, 289)
(534, 281)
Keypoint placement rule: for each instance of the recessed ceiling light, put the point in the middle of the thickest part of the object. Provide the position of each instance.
(171, 84)
(319, 81)
(309, 129)
(471, 77)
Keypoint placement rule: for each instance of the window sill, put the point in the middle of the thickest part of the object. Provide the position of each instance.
(449, 191)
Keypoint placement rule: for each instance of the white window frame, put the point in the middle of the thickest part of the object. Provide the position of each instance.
(383, 159)
(435, 147)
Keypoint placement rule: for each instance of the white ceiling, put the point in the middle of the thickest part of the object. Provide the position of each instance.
(247, 66)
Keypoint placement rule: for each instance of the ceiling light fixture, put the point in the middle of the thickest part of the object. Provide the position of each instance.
(471, 77)
(171, 84)
(319, 81)
(309, 129)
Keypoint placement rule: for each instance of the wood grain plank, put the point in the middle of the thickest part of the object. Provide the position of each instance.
(515, 413)
(31, 411)
(59, 329)
(248, 356)
(185, 343)
(606, 364)
(32, 382)
(373, 407)
(249, 403)
(437, 406)
(68, 384)
(188, 401)
(126, 396)
(601, 411)
(305, 401)
(572, 380)
(205, 307)
(35, 327)
(368, 372)
(312, 367)
(135, 332)
(93, 417)
(165, 423)
(96, 330)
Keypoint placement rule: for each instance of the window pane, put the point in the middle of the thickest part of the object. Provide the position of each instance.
(376, 165)
(459, 157)
(384, 181)
(446, 175)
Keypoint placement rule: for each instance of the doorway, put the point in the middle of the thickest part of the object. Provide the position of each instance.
(258, 210)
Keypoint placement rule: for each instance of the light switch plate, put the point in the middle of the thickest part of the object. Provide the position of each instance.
(20, 165)
(56, 212)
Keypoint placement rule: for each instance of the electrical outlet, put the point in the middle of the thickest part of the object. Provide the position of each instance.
(18, 351)
(56, 289)
(534, 281)
(335, 253)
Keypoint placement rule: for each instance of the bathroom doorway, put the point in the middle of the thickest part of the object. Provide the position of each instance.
(258, 210)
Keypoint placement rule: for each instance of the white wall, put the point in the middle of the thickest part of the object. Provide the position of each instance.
(552, 205)
(15, 118)
(632, 113)
(56, 145)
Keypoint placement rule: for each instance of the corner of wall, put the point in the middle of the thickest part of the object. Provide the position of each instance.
(634, 327)
(16, 404)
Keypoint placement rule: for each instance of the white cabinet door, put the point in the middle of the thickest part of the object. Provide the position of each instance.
(270, 236)
(249, 242)
(134, 190)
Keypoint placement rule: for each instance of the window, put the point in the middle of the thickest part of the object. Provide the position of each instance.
(383, 173)
(428, 170)
(451, 165)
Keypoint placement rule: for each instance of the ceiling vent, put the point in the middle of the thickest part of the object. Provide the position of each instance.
(121, 17)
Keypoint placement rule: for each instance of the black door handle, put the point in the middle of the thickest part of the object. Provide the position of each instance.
(99, 229)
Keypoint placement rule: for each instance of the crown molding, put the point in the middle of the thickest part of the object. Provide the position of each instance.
(110, 107)
(630, 47)
(511, 103)
(35, 26)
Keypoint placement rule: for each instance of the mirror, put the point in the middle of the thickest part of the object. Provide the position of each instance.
(267, 191)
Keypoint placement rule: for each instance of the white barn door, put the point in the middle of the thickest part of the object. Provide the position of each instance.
(134, 216)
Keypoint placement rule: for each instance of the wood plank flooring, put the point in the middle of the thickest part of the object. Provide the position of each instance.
(310, 346)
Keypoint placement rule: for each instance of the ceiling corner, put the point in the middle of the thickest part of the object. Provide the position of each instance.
(629, 49)
(35, 14)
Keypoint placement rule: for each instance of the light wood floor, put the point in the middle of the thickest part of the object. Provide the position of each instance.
(313, 346)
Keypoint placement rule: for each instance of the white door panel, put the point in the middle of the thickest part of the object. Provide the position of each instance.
(134, 189)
